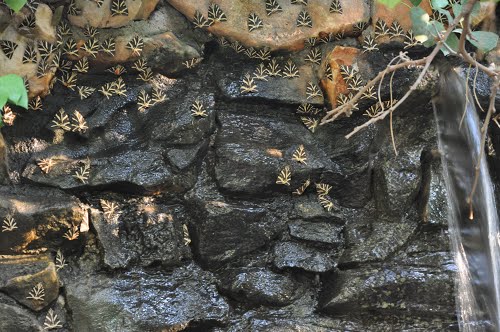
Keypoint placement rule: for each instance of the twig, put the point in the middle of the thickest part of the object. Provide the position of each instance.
(428, 61)
(474, 89)
(335, 113)
(393, 139)
(466, 96)
(466, 11)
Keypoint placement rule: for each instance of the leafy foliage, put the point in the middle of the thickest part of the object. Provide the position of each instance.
(427, 30)
(15, 5)
(12, 90)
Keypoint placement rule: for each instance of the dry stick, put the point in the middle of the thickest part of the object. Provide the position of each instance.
(390, 115)
(399, 57)
(484, 132)
(335, 113)
(474, 89)
(390, 98)
(466, 32)
(428, 61)
(382, 80)
(466, 96)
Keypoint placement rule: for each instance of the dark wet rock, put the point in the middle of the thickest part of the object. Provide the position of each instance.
(230, 76)
(375, 242)
(435, 211)
(141, 232)
(355, 322)
(20, 276)
(317, 232)
(481, 83)
(14, 318)
(129, 150)
(397, 182)
(350, 173)
(301, 256)
(407, 289)
(260, 286)
(377, 263)
(398, 179)
(429, 246)
(252, 148)
(42, 217)
(308, 208)
(145, 301)
(239, 229)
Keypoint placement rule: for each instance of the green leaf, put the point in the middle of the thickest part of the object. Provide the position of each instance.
(485, 41)
(438, 4)
(389, 3)
(452, 43)
(421, 24)
(15, 5)
(416, 2)
(447, 14)
(420, 20)
(12, 89)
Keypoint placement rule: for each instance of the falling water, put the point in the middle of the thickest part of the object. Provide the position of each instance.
(474, 242)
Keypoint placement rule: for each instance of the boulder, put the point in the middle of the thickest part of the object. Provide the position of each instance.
(102, 16)
(321, 232)
(140, 232)
(251, 149)
(240, 229)
(429, 246)
(279, 30)
(36, 219)
(230, 75)
(128, 150)
(375, 242)
(260, 286)
(30, 280)
(14, 318)
(140, 300)
(301, 256)
(390, 289)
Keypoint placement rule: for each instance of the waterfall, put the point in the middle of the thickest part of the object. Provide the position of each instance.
(475, 243)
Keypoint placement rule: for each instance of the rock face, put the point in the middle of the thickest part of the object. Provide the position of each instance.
(30, 280)
(146, 234)
(279, 30)
(206, 196)
(146, 301)
(104, 14)
(261, 286)
(38, 219)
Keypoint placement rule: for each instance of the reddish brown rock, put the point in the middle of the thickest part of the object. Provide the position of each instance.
(101, 17)
(401, 13)
(340, 55)
(279, 30)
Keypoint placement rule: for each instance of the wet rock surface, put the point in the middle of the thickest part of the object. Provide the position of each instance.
(30, 280)
(36, 219)
(246, 286)
(184, 220)
(142, 300)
